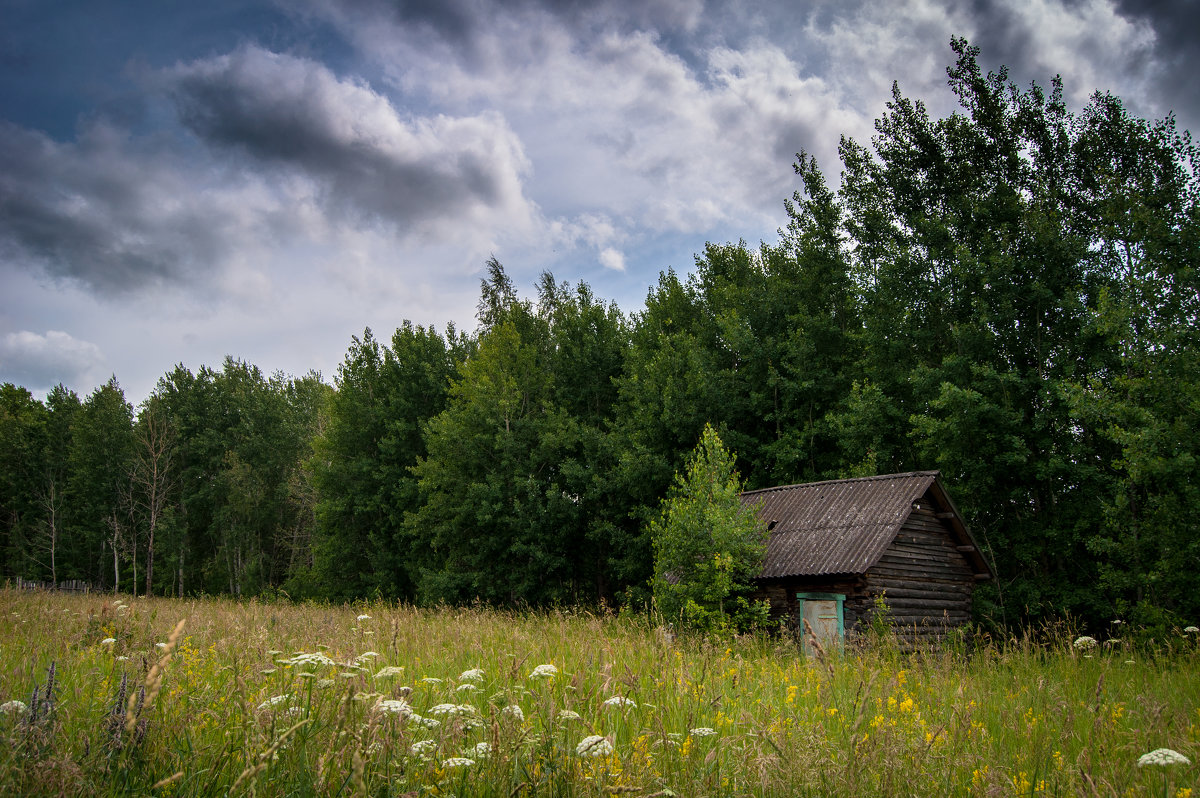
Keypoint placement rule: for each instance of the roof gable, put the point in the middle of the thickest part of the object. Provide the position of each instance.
(843, 526)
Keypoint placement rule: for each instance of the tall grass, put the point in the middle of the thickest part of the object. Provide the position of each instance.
(385, 703)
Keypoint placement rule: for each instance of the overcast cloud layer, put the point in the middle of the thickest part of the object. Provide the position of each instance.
(265, 180)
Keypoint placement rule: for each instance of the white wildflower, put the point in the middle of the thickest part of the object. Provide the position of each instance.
(1191, 630)
(566, 714)
(620, 701)
(274, 652)
(160, 645)
(424, 748)
(393, 706)
(324, 683)
(1162, 757)
(363, 618)
(364, 656)
(428, 723)
(300, 658)
(466, 688)
(453, 709)
(472, 675)
(482, 750)
(430, 680)
(457, 762)
(275, 701)
(122, 658)
(267, 671)
(594, 745)
(703, 731)
(14, 708)
(306, 675)
(1084, 643)
(389, 671)
(514, 712)
(544, 672)
(108, 641)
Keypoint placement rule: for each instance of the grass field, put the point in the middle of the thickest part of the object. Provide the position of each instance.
(276, 699)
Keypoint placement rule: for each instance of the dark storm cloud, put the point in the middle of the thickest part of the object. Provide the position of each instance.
(88, 211)
(1176, 25)
(288, 112)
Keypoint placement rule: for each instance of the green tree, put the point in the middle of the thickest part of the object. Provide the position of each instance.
(708, 545)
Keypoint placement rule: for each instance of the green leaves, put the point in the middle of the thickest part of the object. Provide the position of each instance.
(708, 546)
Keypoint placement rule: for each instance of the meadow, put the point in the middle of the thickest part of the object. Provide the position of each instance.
(213, 697)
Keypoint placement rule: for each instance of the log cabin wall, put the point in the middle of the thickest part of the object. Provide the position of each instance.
(923, 577)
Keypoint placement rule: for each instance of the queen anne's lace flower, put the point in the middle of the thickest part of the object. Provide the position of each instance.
(14, 708)
(482, 750)
(1192, 630)
(300, 658)
(620, 701)
(108, 641)
(274, 701)
(515, 712)
(594, 745)
(457, 762)
(1162, 757)
(1084, 643)
(567, 714)
(365, 656)
(544, 672)
(703, 731)
(466, 688)
(363, 618)
(472, 675)
(389, 671)
(430, 680)
(424, 748)
(393, 706)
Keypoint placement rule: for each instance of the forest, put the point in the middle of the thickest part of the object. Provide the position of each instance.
(1008, 295)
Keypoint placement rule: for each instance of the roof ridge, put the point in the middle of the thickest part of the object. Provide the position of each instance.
(877, 477)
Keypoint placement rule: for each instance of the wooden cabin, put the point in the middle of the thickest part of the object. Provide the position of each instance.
(836, 547)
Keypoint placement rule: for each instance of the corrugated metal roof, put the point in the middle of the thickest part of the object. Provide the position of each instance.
(837, 527)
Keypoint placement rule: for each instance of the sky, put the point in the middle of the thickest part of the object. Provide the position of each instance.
(186, 181)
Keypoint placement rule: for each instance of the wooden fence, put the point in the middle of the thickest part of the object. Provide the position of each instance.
(69, 586)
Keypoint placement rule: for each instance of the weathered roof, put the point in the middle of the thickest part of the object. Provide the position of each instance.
(842, 527)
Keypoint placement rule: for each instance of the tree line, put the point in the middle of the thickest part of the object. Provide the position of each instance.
(1008, 294)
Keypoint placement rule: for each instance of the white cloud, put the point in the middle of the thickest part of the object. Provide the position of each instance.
(612, 259)
(41, 361)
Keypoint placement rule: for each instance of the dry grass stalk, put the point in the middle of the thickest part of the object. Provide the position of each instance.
(153, 680)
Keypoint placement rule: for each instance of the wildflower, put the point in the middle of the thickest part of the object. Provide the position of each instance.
(108, 641)
(300, 658)
(160, 645)
(306, 675)
(453, 709)
(472, 675)
(274, 701)
(457, 762)
(363, 618)
(14, 708)
(466, 688)
(430, 680)
(122, 658)
(544, 672)
(389, 671)
(323, 683)
(703, 731)
(594, 745)
(482, 750)
(1084, 643)
(392, 706)
(620, 701)
(1191, 630)
(267, 671)
(423, 749)
(365, 655)
(514, 712)
(428, 723)
(274, 652)
(1162, 757)
(566, 714)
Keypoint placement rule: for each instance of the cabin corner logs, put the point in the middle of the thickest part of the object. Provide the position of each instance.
(836, 548)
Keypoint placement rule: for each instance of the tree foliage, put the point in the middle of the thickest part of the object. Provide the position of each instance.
(708, 546)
